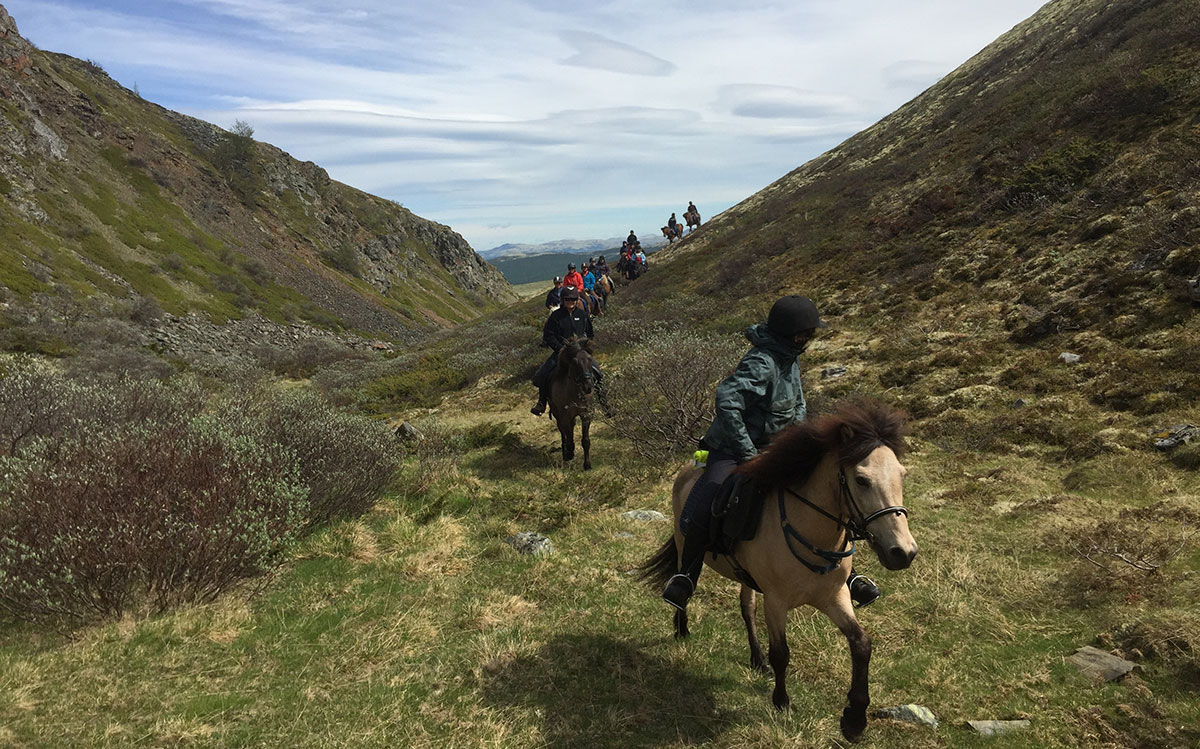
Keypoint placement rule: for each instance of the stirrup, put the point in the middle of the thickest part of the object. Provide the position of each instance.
(673, 597)
(863, 590)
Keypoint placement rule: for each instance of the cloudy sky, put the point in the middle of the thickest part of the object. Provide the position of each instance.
(533, 120)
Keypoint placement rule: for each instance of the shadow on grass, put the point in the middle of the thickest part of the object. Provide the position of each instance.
(595, 691)
(513, 456)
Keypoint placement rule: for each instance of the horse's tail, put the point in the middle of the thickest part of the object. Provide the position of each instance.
(656, 570)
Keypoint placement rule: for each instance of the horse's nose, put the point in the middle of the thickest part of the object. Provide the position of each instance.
(900, 558)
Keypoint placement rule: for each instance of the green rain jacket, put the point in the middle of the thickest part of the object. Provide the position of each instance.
(761, 397)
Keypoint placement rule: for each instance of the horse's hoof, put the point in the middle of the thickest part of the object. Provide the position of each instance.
(760, 666)
(853, 724)
(587, 466)
(781, 701)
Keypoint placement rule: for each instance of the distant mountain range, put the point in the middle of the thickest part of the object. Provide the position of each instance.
(585, 247)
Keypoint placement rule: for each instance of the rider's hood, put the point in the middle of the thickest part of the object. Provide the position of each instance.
(761, 336)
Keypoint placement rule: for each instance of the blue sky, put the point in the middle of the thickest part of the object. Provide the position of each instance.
(533, 120)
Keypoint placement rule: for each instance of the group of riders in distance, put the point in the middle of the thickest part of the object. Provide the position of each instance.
(577, 297)
(838, 475)
(674, 230)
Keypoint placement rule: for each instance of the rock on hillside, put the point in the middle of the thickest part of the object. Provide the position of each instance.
(103, 194)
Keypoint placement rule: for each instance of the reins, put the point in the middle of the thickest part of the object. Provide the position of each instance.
(856, 529)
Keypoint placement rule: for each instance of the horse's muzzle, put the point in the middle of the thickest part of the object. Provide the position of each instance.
(896, 557)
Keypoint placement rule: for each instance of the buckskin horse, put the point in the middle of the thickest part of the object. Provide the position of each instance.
(692, 218)
(571, 386)
(673, 234)
(829, 482)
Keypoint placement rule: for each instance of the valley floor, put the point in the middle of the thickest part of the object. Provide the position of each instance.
(419, 626)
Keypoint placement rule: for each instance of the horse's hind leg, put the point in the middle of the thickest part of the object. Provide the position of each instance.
(586, 441)
(757, 662)
(854, 716)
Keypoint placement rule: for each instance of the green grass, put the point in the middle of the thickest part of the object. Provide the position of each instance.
(419, 626)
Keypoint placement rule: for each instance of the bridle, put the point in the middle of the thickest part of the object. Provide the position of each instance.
(855, 526)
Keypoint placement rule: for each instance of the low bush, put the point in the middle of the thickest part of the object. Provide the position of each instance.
(345, 461)
(304, 360)
(118, 493)
(160, 512)
(421, 384)
(662, 397)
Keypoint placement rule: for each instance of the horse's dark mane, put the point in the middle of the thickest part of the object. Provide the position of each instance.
(568, 352)
(853, 431)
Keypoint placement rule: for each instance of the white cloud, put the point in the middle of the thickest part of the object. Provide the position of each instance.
(529, 120)
(595, 51)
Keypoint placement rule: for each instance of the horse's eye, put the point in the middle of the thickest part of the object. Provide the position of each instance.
(863, 482)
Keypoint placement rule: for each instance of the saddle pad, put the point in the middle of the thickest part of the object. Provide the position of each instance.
(736, 512)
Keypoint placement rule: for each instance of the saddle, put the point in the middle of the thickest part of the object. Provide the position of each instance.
(736, 512)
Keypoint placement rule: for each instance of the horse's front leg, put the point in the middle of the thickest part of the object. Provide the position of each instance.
(854, 716)
(586, 441)
(776, 614)
(757, 662)
(566, 429)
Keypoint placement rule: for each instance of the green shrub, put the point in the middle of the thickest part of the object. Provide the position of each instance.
(158, 512)
(422, 384)
(345, 461)
(662, 396)
(117, 492)
(344, 258)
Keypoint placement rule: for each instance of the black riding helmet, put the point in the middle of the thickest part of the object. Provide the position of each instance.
(793, 314)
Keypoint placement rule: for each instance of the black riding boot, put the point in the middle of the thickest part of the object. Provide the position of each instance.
(543, 396)
(682, 585)
(863, 590)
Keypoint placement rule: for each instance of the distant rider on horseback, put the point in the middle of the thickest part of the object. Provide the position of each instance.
(568, 321)
(762, 396)
(573, 279)
(552, 296)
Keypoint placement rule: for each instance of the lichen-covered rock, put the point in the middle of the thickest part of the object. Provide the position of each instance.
(530, 543)
(644, 515)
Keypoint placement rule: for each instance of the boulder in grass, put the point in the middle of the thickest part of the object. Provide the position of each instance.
(917, 714)
(1068, 358)
(1099, 665)
(997, 727)
(409, 433)
(1172, 437)
(644, 516)
(530, 543)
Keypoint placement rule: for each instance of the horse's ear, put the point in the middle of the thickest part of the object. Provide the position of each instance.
(589, 346)
(845, 433)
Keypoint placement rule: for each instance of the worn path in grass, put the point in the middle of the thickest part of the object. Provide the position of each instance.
(418, 626)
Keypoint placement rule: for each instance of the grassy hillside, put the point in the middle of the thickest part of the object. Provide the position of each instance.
(105, 196)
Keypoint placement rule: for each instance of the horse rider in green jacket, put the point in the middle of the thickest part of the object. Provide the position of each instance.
(762, 396)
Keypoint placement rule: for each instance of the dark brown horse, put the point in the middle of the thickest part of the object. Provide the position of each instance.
(829, 481)
(692, 218)
(571, 386)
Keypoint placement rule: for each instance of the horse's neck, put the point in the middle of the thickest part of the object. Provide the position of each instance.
(822, 489)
